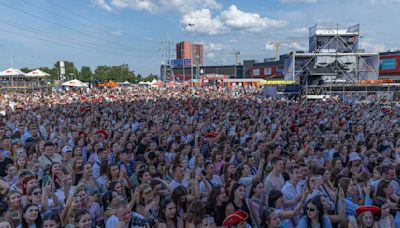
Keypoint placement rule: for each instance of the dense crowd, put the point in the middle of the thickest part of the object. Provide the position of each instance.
(209, 157)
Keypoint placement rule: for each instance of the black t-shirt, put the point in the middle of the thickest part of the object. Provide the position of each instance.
(3, 165)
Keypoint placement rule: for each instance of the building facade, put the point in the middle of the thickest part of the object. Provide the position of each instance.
(187, 50)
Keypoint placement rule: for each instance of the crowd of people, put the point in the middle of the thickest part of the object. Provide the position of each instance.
(183, 157)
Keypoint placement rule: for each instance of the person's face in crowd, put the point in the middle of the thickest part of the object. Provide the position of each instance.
(118, 187)
(385, 210)
(85, 221)
(274, 220)
(352, 188)
(49, 150)
(240, 192)
(5, 225)
(11, 171)
(50, 224)
(179, 173)
(314, 182)
(389, 190)
(115, 148)
(208, 223)
(222, 195)
(77, 151)
(327, 175)
(312, 211)
(31, 183)
(36, 196)
(376, 174)
(246, 171)
(56, 169)
(170, 211)
(6, 143)
(390, 175)
(31, 214)
(87, 170)
(146, 177)
(8, 134)
(148, 194)
(199, 159)
(279, 166)
(83, 196)
(21, 162)
(259, 190)
(218, 157)
(304, 172)
(367, 219)
(297, 175)
(210, 169)
(114, 170)
(153, 146)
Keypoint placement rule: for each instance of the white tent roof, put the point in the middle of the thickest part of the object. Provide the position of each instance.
(75, 83)
(144, 83)
(37, 73)
(12, 72)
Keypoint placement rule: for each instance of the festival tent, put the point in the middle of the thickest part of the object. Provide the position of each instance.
(37, 73)
(110, 83)
(12, 72)
(125, 83)
(75, 83)
(159, 83)
(144, 83)
(173, 83)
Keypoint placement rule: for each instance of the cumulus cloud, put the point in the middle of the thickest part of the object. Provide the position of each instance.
(102, 4)
(217, 46)
(201, 21)
(232, 19)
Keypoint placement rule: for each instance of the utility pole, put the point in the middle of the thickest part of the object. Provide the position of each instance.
(237, 56)
(167, 55)
(277, 45)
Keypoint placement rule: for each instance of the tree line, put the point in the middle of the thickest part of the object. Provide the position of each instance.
(104, 73)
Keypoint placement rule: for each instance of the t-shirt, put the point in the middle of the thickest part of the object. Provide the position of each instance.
(45, 160)
(175, 184)
(326, 223)
(273, 182)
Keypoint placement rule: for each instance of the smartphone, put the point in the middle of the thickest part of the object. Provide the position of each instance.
(204, 172)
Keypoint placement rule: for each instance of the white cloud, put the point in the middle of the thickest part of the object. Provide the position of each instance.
(201, 21)
(217, 47)
(301, 30)
(162, 6)
(296, 46)
(232, 19)
(239, 20)
(102, 4)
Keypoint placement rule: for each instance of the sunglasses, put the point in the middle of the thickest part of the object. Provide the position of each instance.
(310, 209)
(36, 193)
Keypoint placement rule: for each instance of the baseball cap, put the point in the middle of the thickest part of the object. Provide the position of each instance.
(66, 149)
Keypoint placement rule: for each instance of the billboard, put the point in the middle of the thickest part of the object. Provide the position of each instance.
(180, 62)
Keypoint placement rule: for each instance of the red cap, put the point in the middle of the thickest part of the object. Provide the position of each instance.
(235, 218)
(372, 209)
(211, 134)
(104, 133)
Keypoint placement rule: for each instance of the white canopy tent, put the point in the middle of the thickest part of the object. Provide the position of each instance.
(12, 72)
(37, 73)
(75, 83)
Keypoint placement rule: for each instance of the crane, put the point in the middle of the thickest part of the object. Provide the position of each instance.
(237, 56)
(277, 45)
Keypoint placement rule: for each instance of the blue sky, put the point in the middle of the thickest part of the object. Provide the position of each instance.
(112, 32)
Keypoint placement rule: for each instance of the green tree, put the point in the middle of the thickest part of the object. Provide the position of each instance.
(26, 70)
(85, 74)
(70, 70)
(116, 73)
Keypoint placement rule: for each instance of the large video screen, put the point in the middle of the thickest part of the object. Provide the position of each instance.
(388, 64)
